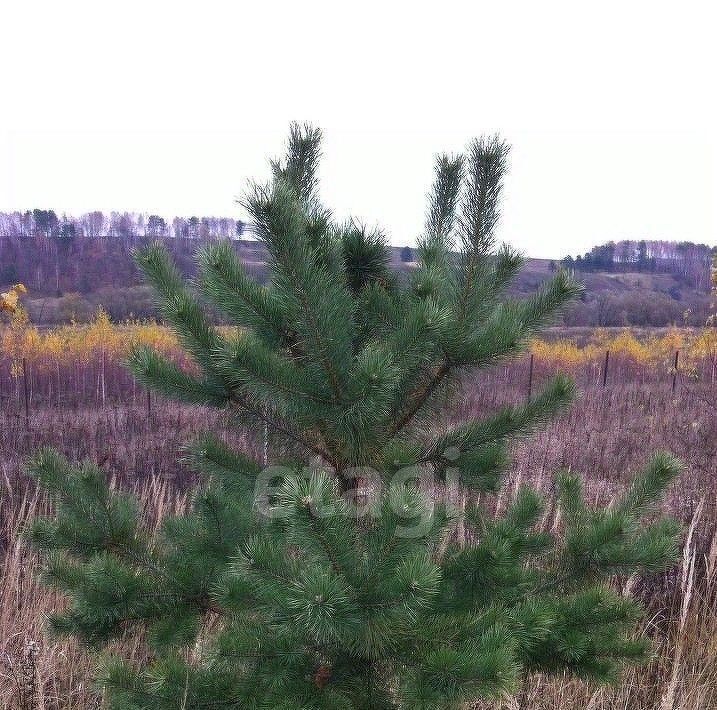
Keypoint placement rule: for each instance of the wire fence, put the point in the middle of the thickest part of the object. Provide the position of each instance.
(100, 381)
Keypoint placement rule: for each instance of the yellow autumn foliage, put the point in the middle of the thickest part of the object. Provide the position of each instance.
(67, 345)
(655, 349)
(9, 300)
(79, 343)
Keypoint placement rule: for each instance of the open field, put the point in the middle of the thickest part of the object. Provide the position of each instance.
(68, 388)
(76, 365)
(606, 435)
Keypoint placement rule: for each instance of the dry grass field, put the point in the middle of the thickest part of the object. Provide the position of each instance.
(608, 434)
(67, 388)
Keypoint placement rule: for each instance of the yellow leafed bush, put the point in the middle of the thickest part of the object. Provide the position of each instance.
(76, 343)
(650, 351)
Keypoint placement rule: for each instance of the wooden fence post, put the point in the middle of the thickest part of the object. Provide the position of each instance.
(604, 368)
(674, 371)
(265, 449)
(530, 377)
(27, 394)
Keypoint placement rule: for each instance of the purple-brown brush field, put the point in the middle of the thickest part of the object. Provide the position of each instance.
(609, 433)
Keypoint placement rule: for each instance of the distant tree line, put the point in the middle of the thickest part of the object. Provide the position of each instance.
(47, 223)
(73, 265)
(73, 256)
(688, 262)
(55, 265)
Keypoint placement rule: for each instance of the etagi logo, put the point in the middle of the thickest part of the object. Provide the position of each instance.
(410, 494)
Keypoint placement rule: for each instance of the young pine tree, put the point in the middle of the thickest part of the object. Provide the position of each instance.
(338, 580)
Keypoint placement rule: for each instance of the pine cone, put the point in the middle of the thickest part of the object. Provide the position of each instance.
(322, 676)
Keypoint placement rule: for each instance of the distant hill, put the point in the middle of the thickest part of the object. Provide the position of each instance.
(627, 298)
(643, 282)
(70, 277)
(687, 261)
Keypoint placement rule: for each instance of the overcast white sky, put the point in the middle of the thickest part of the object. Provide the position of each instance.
(169, 107)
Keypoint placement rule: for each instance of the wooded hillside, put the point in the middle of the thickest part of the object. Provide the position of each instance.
(70, 270)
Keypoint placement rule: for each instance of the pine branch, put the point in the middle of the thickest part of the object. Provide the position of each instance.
(307, 440)
(301, 162)
(487, 161)
(510, 421)
(321, 299)
(155, 372)
(418, 398)
(225, 282)
(178, 305)
(443, 202)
